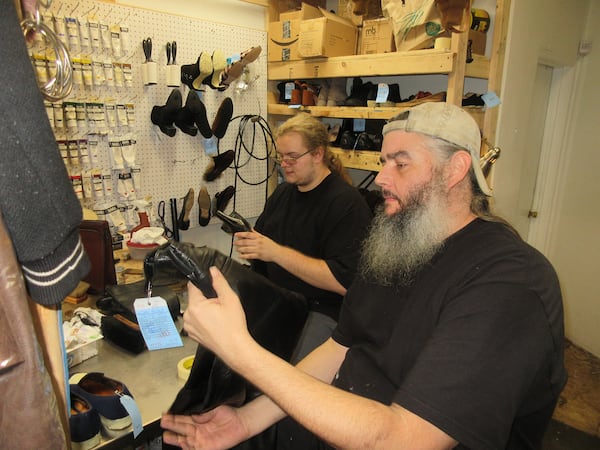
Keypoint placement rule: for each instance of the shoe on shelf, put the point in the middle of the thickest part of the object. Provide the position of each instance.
(84, 424)
(104, 395)
(218, 165)
(323, 93)
(204, 207)
(359, 93)
(183, 222)
(337, 92)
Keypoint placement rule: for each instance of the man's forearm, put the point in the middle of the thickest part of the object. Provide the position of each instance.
(311, 270)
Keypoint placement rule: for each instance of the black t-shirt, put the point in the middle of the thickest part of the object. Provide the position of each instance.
(473, 346)
(327, 222)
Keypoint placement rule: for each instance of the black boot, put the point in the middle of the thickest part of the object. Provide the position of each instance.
(164, 116)
(275, 318)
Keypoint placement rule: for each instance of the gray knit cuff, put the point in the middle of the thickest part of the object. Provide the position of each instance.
(50, 279)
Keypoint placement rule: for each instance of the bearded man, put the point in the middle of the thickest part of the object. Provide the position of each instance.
(450, 337)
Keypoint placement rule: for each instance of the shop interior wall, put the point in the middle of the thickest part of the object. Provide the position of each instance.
(575, 239)
(172, 165)
(549, 32)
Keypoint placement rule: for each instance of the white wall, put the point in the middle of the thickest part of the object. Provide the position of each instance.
(534, 37)
(235, 12)
(549, 31)
(575, 236)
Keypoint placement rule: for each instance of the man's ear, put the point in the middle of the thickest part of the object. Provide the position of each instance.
(320, 152)
(458, 168)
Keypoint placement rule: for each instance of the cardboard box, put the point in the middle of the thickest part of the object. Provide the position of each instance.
(478, 41)
(371, 9)
(328, 35)
(283, 41)
(283, 35)
(377, 36)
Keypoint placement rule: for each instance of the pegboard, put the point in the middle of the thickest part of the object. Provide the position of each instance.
(169, 166)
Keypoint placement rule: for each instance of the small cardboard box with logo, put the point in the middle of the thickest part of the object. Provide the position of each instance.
(377, 36)
(284, 34)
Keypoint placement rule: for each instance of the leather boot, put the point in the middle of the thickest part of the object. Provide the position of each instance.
(275, 318)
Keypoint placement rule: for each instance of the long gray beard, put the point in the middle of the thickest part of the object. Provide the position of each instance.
(397, 247)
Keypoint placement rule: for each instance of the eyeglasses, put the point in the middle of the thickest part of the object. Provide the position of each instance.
(289, 159)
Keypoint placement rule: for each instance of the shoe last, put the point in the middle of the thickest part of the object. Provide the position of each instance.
(84, 424)
(104, 395)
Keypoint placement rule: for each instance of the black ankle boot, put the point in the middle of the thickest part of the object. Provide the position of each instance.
(164, 116)
(198, 111)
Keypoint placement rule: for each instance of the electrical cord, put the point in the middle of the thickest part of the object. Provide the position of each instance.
(254, 142)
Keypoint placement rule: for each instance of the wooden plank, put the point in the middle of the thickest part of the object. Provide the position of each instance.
(397, 63)
(359, 159)
(479, 68)
(496, 65)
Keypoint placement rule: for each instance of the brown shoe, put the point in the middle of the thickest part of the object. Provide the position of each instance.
(204, 206)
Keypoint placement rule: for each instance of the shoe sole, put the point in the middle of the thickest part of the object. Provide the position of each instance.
(87, 444)
(115, 424)
(204, 204)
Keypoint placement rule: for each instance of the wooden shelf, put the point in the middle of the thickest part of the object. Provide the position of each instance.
(355, 112)
(398, 63)
(359, 159)
(416, 62)
(338, 112)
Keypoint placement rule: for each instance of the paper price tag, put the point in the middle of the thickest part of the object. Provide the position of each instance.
(132, 409)
(156, 323)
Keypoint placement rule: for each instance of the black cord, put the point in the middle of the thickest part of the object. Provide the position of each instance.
(245, 150)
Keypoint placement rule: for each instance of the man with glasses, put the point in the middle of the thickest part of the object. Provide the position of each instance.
(308, 237)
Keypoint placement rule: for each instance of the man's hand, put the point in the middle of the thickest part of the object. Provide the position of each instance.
(220, 428)
(217, 323)
(253, 245)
